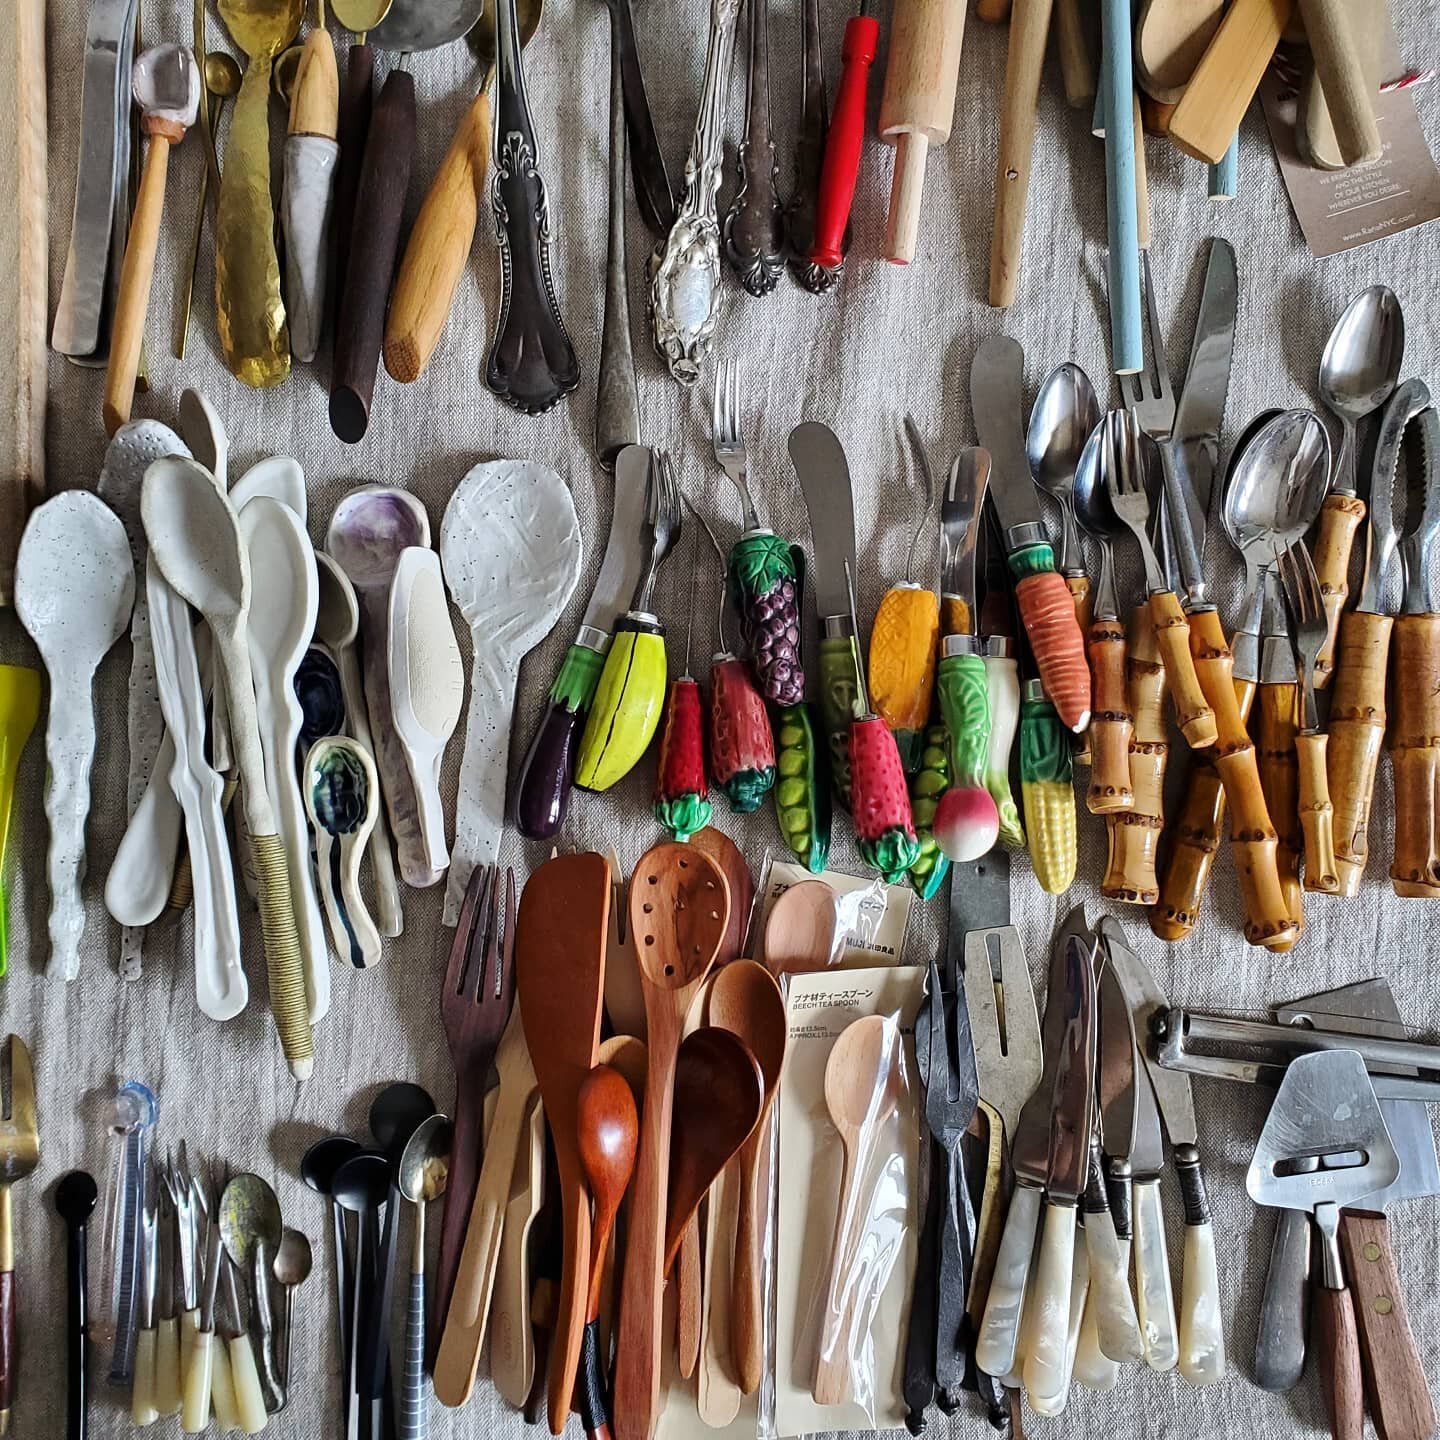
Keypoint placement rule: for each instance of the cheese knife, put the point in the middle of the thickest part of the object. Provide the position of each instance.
(1046, 606)
(543, 790)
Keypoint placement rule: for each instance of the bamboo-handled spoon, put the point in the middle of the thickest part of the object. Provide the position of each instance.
(195, 539)
(166, 83)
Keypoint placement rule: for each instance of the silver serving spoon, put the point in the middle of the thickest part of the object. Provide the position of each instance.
(1065, 415)
(1359, 368)
(1097, 518)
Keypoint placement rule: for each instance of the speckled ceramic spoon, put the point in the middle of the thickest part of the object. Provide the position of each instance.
(510, 546)
(342, 798)
(368, 531)
(74, 591)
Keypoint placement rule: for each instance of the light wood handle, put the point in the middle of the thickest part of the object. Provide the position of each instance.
(1342, 78)
(1396, 1387)
(1339, 1346)
(1415, 755)
(1267, 918)
(1317, 814)
(1111, 726)
(688, 1298)
(1340, 518)
(1142, 178)
(1195, 840)
(438, 248)
(1357, 726)
(1155, 115)
(1276, 726)
(1172, 634)
(1227, 77)
(746, 1292)
(1134, 834)
(1025, 59)
(1076, 67)
(1081, 594)
(136, 272)
(315, 100)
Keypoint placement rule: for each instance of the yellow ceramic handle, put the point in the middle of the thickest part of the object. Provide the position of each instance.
(625, 713)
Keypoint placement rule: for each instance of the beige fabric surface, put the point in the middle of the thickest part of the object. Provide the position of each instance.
(887, 342)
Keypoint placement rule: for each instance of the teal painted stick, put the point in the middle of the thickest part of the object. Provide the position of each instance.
(1127, 349)
(1223, 175)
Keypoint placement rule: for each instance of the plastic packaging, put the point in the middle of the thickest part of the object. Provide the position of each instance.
(870, 916)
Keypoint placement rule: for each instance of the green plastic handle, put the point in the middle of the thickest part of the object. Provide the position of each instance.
(965, 707)
(839, 693)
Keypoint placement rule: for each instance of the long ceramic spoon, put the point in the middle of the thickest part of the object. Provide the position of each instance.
(139, 880)
(368, 532)
(220, 985)
(277, 476)
(282, 620)
(342, 798)
(74, 591)
(510, 545)
(337, 623)
(195, 538)
(427, 685)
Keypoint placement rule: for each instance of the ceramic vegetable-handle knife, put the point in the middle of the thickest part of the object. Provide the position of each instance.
(1046, 606)
(548, 771)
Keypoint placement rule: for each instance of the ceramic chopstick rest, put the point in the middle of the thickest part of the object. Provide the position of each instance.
(342, 798)
(138, 883)
(221, 989)
(368, 531)
(74, 592)
(282, 621)
(510, 547)
(427, 685)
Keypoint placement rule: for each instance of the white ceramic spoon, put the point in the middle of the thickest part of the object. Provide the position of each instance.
(140, 876)
(282, 622)
(195, 539)
(221, 990)
(336, 625)
(279, 477)
(427, 685)
(510, 546)
(74, 591)
(369, 529)
(342, 798)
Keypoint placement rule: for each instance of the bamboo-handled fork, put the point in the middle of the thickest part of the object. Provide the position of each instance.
(19, 1155)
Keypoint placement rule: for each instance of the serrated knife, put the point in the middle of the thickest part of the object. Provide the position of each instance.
(543, 791)
(1046, 606)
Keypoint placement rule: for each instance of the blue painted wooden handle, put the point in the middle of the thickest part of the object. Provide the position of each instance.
(1127, 351)
(1223, 176)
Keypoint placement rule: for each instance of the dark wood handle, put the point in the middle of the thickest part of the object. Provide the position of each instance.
(1339, 1346)
(1400, 1403)
(374, 242)
(352, 129)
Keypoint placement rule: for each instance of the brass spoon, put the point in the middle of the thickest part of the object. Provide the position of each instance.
(222, 83)
(444, 230)
(249, 310)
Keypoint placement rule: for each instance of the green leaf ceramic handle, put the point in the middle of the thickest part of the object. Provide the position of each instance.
(965, 706)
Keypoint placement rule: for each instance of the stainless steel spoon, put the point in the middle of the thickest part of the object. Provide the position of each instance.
(1097, 518)
(1066, 413)
(291, 1268)
(423, 1170)
(1359, 368)
(1277, 486)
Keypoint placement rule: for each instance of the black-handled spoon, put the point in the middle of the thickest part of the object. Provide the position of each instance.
(74, 1200)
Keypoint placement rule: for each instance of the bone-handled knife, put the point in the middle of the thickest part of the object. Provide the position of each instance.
(1199, 1348)
(1046, 1372)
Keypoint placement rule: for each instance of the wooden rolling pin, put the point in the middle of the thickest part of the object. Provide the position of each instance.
(1227, 77)
(1029, 30)
(1134, 834)
(1415, 756)
(1277, 723)
(917, 106)
(1341, 73)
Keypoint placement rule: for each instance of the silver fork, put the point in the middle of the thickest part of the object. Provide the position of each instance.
(727, 439)
(662, 514)
(1309, 626)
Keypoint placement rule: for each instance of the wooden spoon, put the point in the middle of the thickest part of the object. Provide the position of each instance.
(628, 1055)
(559, 970)
(800, 929)
(861, 1091)
(746, 1000)
(608, 1125)
(1170, 38)
(726, 854)
(624, 998)
(679, 913)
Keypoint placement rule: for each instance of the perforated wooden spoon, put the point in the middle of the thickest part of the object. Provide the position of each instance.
(679, 912)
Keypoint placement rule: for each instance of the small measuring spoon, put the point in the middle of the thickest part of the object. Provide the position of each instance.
(342, 798)
(370, 529)
(74, 591)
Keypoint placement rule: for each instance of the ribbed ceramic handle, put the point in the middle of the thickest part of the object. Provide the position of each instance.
(1340, 518)
(1415, 756)
(1155, 1299)
(1000, 1328)
(960, 684)
(1172, 634)
(1357, 727)
(1111, 725)
(438, 248)
(1049, 615)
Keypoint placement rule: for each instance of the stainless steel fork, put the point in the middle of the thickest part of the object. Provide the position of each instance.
(728, 440)
(1308, 628)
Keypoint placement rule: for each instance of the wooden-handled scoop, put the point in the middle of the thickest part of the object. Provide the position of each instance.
(560, 984)
(917, 106)
(679, 911)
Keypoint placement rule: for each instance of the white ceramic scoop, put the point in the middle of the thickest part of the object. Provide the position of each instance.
(74, 591)
(278, 477)
(342, 797)
(427, 685)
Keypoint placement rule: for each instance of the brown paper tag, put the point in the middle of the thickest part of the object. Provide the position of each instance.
(1340, 210)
